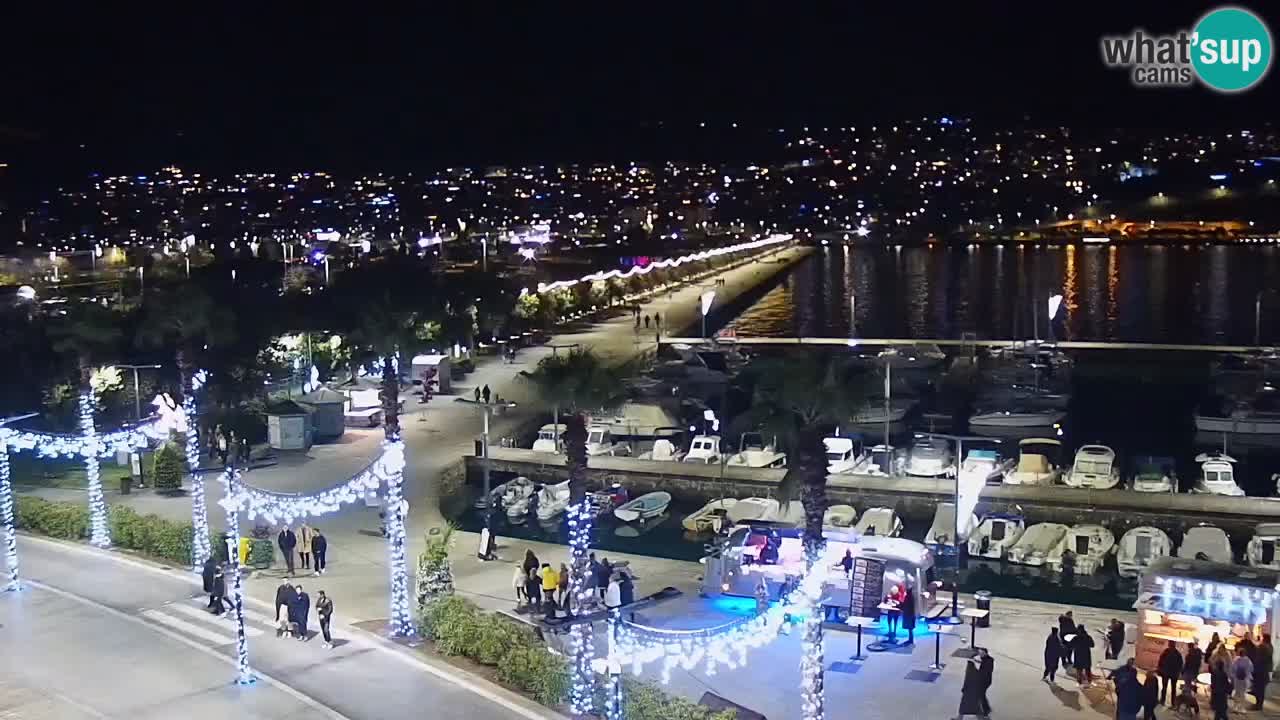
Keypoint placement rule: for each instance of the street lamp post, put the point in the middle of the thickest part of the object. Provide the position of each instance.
(137, 396)
(485, 410)
(888, 356)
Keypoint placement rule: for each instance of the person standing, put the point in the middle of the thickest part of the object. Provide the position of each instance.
(1052, 654)
(517, 584)
(206, 579)
(1214, 642)
(986, 671)
(1263, 665)
(319, 548)
(613, 594)
(1169, 666)
(1082, 655)
(324, 611)
(222, 445)
(485, 394)
(533, 589)
(285, 597)
(971, 691)
(550, 582)
(1115, 639)
(909, 614)
(626, 589)
(1219, 691)
(287, 542)
(477, 393)
(1066, 631)
(1241, 674)
(300, 611)
(1128, 691)
(1150, 697)
(563, 578)
(1191, 666)
(305, 534)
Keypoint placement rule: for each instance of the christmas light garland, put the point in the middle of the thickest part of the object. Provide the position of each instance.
(200, 549)
(397, 508)
(581, 518)
(99, 530)
(230, 488)
(7, 519)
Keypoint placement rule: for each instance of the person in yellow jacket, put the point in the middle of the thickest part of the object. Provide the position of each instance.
(550, 582)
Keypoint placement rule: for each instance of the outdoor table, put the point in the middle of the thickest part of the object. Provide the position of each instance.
(939, 628)
(859, 622)
(974, 616)
(889, 642)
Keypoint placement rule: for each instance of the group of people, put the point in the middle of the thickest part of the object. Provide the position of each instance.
(540, 587)
(293, 608)
(978, 674)
(213, 578)
(311, 544)
(1071, 646)
(224, 443)
(1233, 673)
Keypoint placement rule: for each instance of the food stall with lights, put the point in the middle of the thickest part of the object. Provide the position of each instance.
(755, 551)
(1183, 600)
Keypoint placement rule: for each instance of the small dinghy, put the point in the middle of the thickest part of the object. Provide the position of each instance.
(939, 537)
(879, 521)
(1090, 544)
(644, 507)
(840, 516)
(709, 518)
(1139, 547)
(1262, 547)
(1035, 545)
(995, 535)
(753, 508)
(1206, 542)
(552, 501)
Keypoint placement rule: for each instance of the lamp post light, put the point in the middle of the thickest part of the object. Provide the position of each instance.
(888, 356)
(959, 440)
(137, 394)
(486, 409)
(707, 298)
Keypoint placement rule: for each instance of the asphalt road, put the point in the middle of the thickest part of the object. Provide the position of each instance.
(92, 637)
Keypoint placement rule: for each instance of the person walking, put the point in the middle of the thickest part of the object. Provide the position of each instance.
(285, 597)
(986, 671)
(1219, 691)
(517, 584)
(1263, 665)
(1150, 697)
(222, 445)
(604, 572)
(287, 541)
(477, 393)
(299, 611)
(563, 577)
(533, 589)
(1082, 655)
(646, 322)
(1115, 639)
(305, 535)
(206, 579)
(1241, 674)
(319, 548)
(1066, 631)
(1052, 655)
(485, 394)
(1169, 666)
(220, 592)
(550, 582)
(1191, 666)
(909, 614)
(613, 594)
(324, 611)
(971, 690)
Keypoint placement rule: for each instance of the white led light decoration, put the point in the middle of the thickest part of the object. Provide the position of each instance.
(99, 531)
(230, 487)
(7, 519)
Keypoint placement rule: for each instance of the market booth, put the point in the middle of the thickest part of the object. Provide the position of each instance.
(327, 409)
(288, 426)
(1184, 600)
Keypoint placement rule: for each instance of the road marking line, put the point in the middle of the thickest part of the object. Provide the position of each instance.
(307, 700)
(187, 628)
(248, 614)
(210, 618)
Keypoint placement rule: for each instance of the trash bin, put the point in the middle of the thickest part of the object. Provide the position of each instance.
(982, 599)
(126, 485)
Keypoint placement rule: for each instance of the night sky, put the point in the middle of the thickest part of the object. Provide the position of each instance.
(298, 88)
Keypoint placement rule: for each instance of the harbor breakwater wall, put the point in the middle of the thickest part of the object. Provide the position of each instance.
(911, 497)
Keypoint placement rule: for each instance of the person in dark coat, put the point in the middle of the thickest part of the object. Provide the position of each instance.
(206, 578)
(1191, 665)
(1263, 665)
(533, 589)
(285, 597)
(1150, 697)
(1128, 691)
(1214, 642)
(1169, 666)
(220, 592)
(320, 548)
(1066, 631)
(971, 691)
(287, 542)
(1082, 655)
(908, 621)
(1052, 654)
(627, 589)
(986, 672)
(1115, 639)
(1219, 692)
(299, 611)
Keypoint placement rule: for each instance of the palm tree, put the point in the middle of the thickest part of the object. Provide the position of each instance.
(90, 333)
(185, 318)
(800, 398)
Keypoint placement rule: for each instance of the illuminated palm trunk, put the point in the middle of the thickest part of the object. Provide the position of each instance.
(393, 472)
(580, 521)
(7, 519)
(811, 462)
(200, 549)
(99, 530)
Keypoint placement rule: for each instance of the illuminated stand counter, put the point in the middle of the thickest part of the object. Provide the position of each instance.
(1184, 600)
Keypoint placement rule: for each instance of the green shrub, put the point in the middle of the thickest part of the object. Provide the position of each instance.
(460, 634)
(66, 521)
(497, 637)
(261, 553)
(536, 671)
(436, 615)
(167, 468)
(148, 534)
(646, 701)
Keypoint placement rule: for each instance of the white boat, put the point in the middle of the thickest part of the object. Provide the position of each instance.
(840, 516)
(663, 451)
(874, 412)
(766, 510)
(552, 501)
(939, 536)
(1036, 543)
(917, 356)
(600, 441)
(844, 455)
(1017, 415)
(704, 450)
(639, 421)
(710, 517)
(1139, 547)
(1090, 544)
(1035, 464)
(754, 452)
(1094, 467)
(517, 502)
(930, 457)
(884, 460)
(1262, 546)
(646, 506)
(550, 438)
(1217, 475)
(995, 535)
(510, 492)
(983, 466)
(1154, 474)
(880, 522)
(1206, 542)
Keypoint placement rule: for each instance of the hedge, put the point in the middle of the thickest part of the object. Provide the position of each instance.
(646, 701)
(148, 534)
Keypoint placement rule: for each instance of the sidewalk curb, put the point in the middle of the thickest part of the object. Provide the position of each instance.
(466, 680)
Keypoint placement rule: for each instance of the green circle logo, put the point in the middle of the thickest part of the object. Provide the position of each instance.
(1231, 49)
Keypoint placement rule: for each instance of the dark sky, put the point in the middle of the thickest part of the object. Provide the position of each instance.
(298, 87)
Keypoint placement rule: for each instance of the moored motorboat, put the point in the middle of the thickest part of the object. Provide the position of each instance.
(1037, 463)
(1261, 551)
(639, 421)
(876, 412)
(844, 454)
(1017, 415)
(710, 517)
(550, 438)
(995, 535)
(884, 460)
(930, 457)
(552, 501)
(981, 467)
(1036, 543)
(1089, 546)
(1206, 542)
(703, 450)
(1139, 547)
(879, 521)
(944, 529)
(840, 516)
(509, 493)
(644, 507)
(1154, 474)
(663, 450)
(1258, 415)
(1217, 475)
(1094, 468)
(754, 452)
(600, 441)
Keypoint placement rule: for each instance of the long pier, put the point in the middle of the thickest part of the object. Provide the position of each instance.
(951, 342)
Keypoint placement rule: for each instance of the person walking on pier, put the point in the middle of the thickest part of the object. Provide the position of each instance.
(485, 394)
(287, 542)
(1191, 666)
(320, 549)
(1263, 664)
(1052, 654)
(1082, 655)
(1169, 667)
(1066, 631)
(324, 611)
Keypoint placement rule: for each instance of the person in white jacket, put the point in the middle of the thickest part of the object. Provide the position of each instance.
(613, 595)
